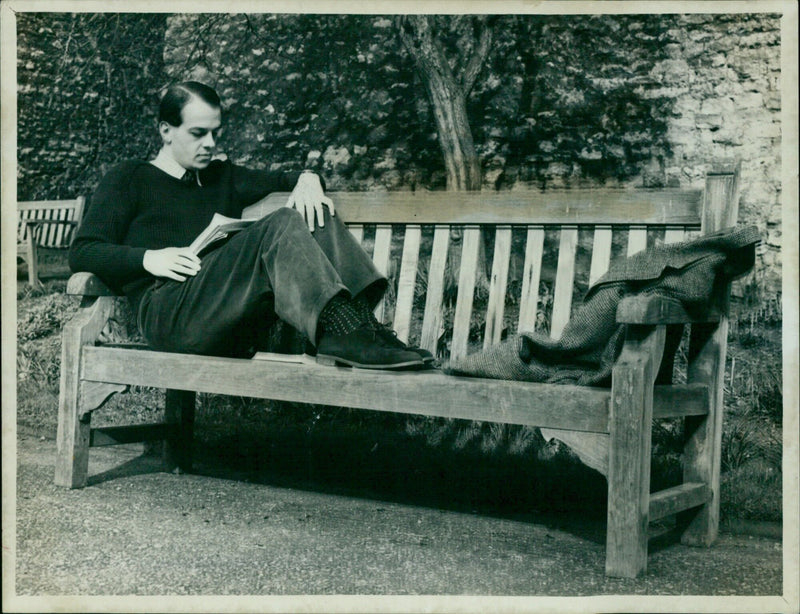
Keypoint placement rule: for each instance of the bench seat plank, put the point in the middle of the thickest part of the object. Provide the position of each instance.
(416, 392)
(432, 393)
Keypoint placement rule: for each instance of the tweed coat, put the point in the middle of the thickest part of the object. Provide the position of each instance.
(690, 271)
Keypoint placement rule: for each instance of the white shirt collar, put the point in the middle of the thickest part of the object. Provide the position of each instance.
(170, 166)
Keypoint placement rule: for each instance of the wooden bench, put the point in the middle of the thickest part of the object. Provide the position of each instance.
(45, 223)
(408, 235)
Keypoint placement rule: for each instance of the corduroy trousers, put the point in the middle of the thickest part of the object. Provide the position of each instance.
(275, 268)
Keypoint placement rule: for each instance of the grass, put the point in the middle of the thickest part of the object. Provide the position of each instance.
(434, 461)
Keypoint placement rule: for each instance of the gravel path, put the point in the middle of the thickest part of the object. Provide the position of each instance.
(142, 532)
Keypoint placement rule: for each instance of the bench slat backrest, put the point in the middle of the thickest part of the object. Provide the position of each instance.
(565, 279)
(381, 255)
(467, 275)
(565, 240)
(55, 235)
(601, 252)
(407, 280)
(432, 319)
(498, 283)
(531, 277)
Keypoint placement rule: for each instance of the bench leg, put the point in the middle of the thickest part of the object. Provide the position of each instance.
(72, 447)
(72, 439)
(32, 257)
(180, 406)
(629, 456)
(74, 412)
(702, 450)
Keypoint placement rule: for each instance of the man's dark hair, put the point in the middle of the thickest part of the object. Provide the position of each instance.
(179, 95)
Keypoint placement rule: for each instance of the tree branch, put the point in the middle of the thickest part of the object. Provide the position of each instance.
(425, 49)
(478, 57)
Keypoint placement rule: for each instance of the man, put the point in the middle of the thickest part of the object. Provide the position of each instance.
(315, 277)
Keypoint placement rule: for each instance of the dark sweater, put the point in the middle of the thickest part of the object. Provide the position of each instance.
(137, 207)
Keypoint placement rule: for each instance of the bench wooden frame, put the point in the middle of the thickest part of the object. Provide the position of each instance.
(610, 428)
(45, 223)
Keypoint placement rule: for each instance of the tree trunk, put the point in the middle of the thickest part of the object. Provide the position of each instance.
(455, 136)
(448, 96)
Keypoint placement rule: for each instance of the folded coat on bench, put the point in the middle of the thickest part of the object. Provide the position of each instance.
(592, 339)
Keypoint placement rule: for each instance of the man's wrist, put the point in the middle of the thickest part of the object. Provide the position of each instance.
(308, 171)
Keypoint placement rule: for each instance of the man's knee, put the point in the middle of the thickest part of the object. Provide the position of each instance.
(327, 219)
(278, 223)
(285, 216)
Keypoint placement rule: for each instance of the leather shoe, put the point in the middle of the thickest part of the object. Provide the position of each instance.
(390, 337)
(365, 348)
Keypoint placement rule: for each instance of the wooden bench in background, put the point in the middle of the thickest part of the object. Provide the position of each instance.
(45, 223)
(408, 235)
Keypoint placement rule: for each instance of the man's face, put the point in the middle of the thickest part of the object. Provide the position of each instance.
(192, 143)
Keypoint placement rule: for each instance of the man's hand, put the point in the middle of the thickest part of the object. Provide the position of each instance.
(172, 262)
(308, 198)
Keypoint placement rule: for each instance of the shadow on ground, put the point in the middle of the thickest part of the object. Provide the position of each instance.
(380, 465)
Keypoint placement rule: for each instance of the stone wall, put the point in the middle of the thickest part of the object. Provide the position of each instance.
(723, 77)
(558, 102)
(630, 100)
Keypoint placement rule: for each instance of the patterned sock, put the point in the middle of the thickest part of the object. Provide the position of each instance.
(340, 316)
(363, 309)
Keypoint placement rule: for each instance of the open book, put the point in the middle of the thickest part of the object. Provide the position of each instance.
(219, 228)
(300, 359)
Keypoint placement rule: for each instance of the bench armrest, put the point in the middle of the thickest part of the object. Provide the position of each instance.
(88, 284)
(651, 309)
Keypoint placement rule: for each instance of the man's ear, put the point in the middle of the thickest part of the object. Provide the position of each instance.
(165, 130)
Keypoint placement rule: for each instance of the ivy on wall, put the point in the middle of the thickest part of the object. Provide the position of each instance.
(88, 88)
